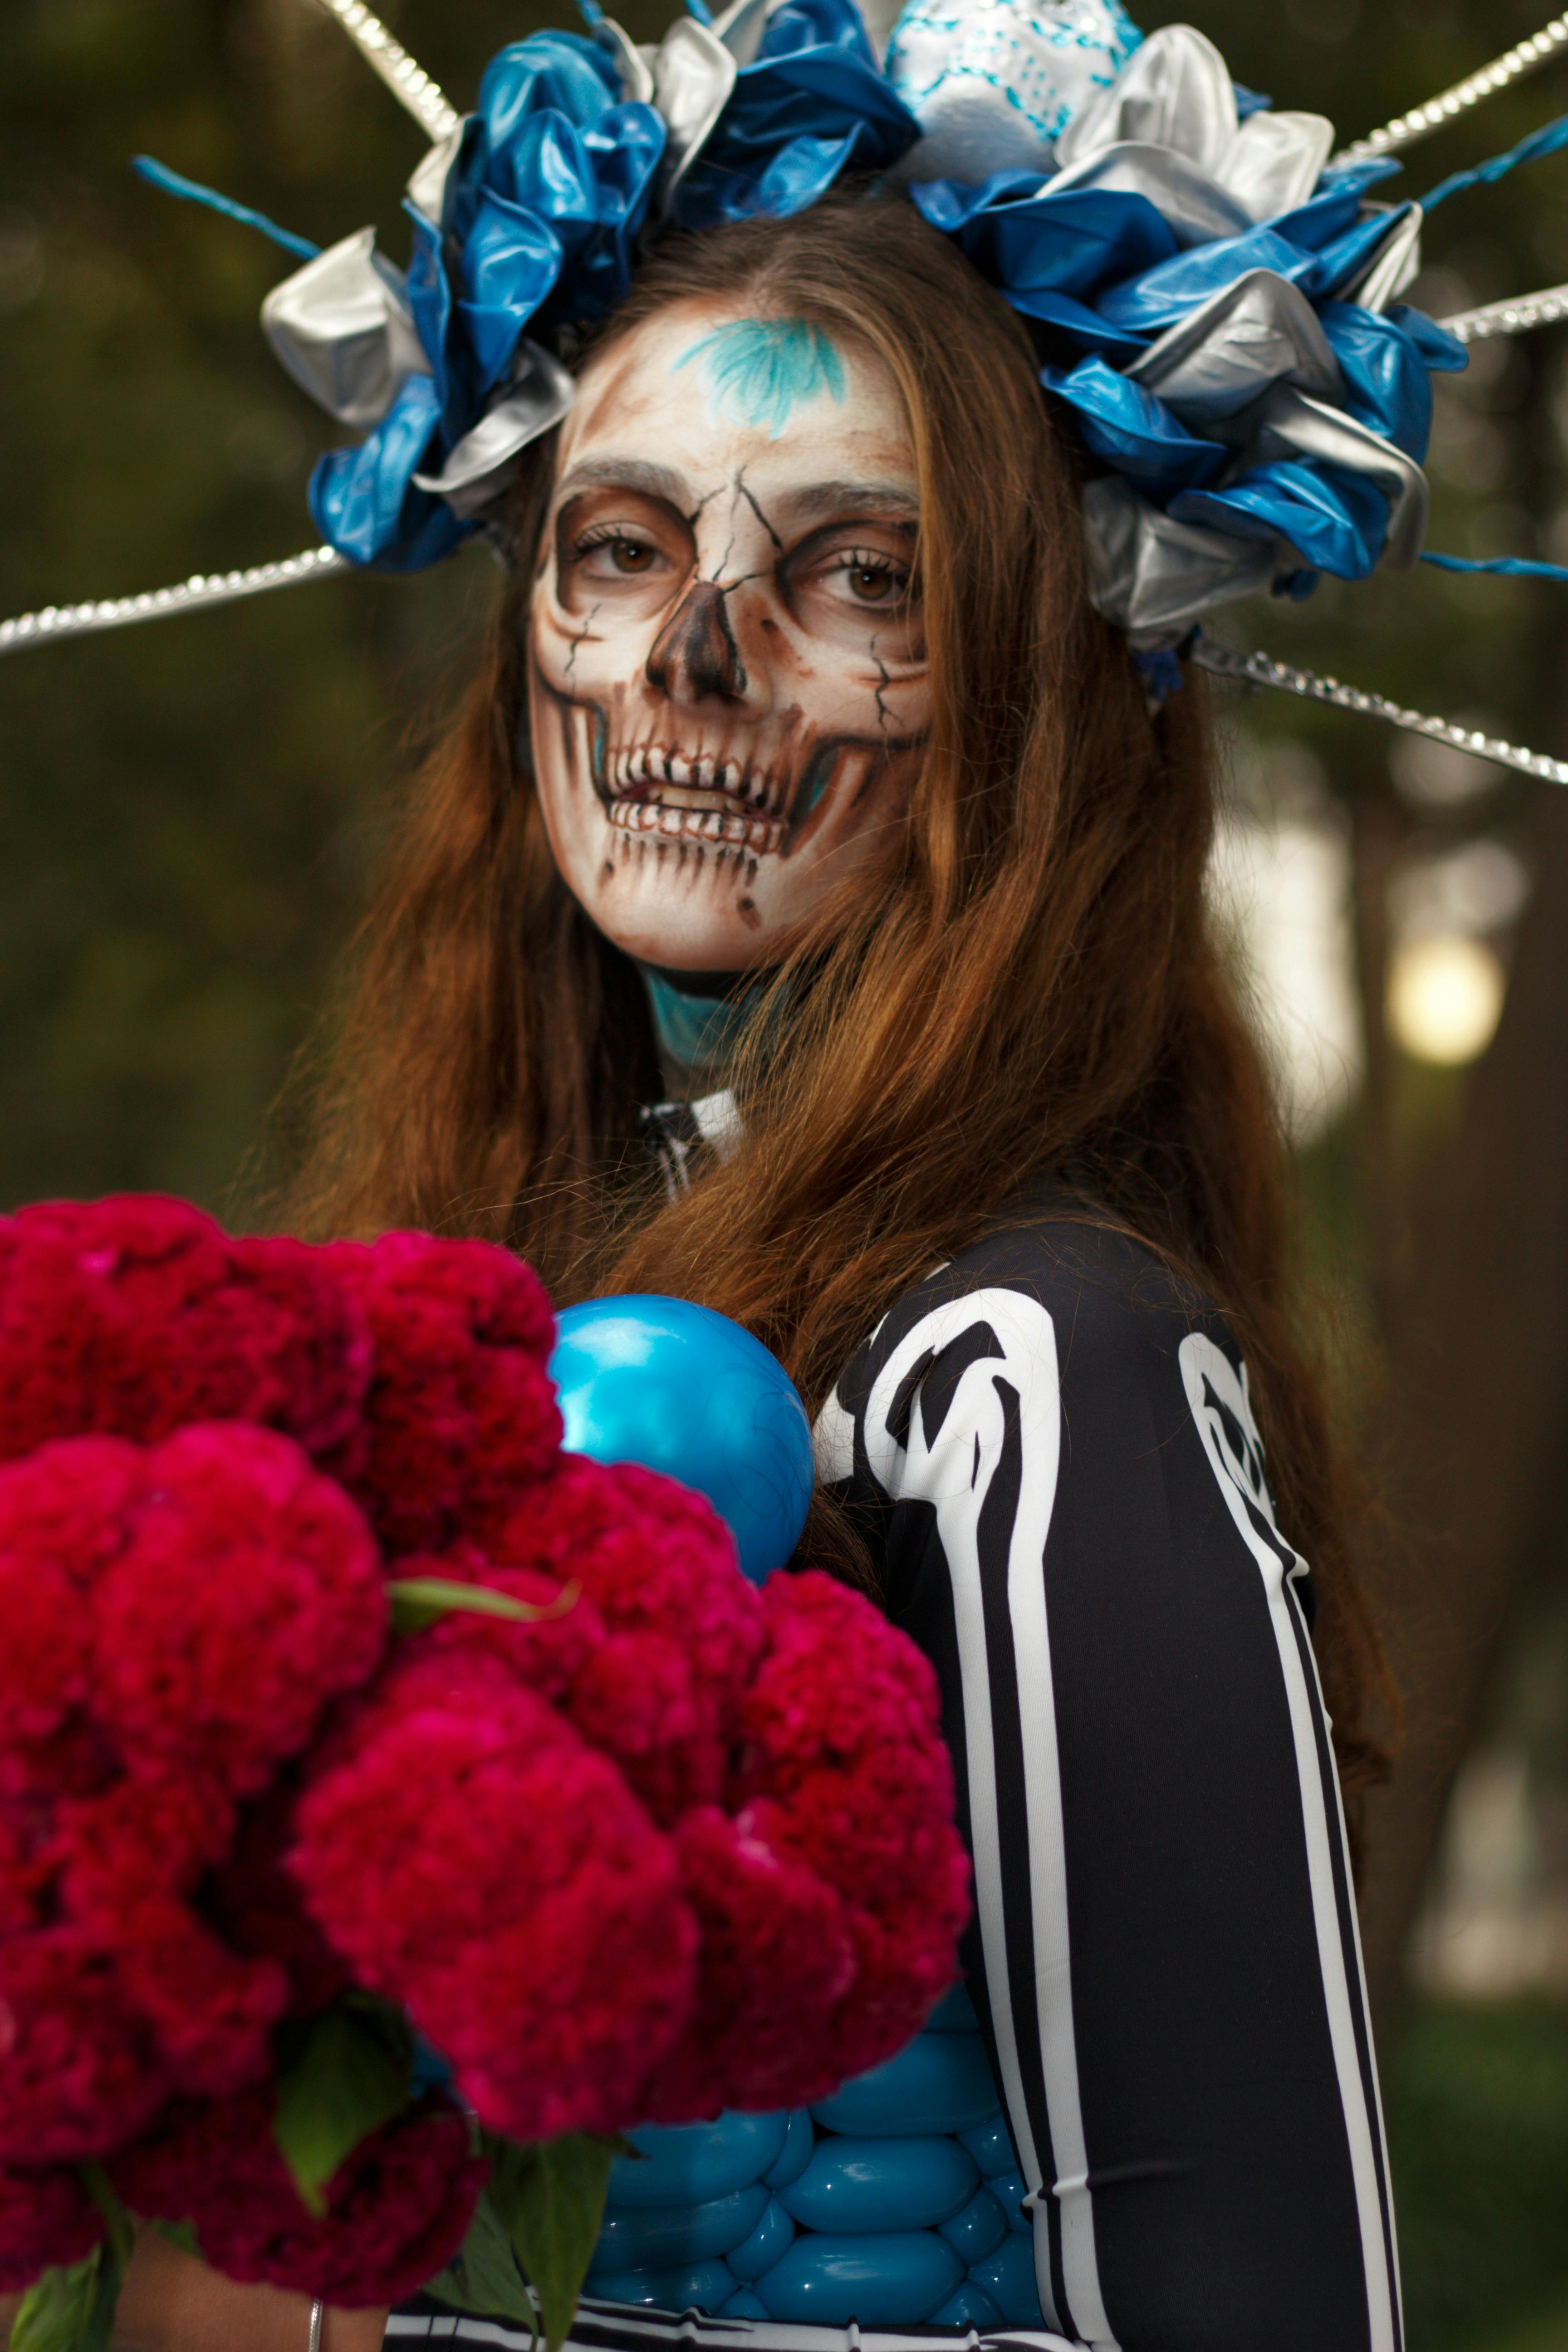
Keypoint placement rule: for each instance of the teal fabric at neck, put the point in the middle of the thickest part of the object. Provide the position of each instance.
(696, 1032)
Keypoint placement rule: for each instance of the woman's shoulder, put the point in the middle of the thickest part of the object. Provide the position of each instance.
(1083, 1291)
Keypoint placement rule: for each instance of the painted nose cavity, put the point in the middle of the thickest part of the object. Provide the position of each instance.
(695, 654)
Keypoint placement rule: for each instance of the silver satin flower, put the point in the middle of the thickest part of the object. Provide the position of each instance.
(1250, 367)
(342, 328)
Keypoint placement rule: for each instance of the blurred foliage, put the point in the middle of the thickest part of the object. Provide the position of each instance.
(1477, 2104)
(187, 810)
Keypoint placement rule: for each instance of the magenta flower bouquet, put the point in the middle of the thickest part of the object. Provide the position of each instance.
(395, 1809)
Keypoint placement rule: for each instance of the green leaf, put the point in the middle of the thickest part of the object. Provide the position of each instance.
(55, 2312)
(181, 2235)
(550, 2199)
(482, 2276)
(342, 2086)
(418, 1601)
(72, 2310)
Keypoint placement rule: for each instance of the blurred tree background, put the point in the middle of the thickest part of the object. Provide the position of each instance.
(187, 814)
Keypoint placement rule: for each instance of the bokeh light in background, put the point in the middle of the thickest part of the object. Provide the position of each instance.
(1445, 994)
(1279, 887)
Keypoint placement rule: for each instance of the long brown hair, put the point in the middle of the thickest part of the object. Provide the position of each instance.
(1031, 988)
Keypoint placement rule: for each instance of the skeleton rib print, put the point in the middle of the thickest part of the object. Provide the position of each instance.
(1051, 1450)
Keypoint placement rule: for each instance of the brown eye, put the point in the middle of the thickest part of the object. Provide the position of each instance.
(872, 587)
(630, 555)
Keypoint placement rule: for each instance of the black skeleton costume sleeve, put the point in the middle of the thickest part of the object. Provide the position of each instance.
(1054, 1455)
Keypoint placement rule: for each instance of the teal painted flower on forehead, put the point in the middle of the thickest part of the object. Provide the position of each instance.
(758, 368)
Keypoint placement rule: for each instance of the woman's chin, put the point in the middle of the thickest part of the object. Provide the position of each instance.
(683, 920)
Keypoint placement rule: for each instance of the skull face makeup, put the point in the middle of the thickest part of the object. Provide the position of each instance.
(730, 693)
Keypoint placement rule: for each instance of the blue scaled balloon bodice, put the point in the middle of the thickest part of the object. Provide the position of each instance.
(896, 2201)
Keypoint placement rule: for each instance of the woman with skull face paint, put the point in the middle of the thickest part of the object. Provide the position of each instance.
(806, 806)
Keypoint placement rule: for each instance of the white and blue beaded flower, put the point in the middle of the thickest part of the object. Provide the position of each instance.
(950, 60)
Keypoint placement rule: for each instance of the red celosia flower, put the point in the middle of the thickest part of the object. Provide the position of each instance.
(155, 1834)
(137, 1314)
(478, 1862)
(248, 1592)
(46, 2223)
(546, 1652)
(461, 1414)
(843, 1767)
(77, 2073)
(777, 1958)
(637, 1700)
(256, 1904)
(43, 1657)
(684, 1845)
(839, 1680)
(398, 2210)
(654, 1557)
(211, 2011)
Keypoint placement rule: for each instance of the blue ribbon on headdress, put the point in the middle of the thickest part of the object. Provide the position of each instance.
(812, 105)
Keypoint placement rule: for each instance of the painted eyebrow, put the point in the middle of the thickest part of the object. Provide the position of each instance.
(624, 473)
(885, 500)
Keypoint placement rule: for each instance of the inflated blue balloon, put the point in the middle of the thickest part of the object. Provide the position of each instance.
(682, 1389)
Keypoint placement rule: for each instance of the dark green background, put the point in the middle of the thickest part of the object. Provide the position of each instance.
(187, 810)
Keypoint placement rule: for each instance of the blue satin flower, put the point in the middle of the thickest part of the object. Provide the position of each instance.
(1132, 430)
(365, 502)
(1056, 257)
(811, 104)
(1335, 519)
(1385, 374)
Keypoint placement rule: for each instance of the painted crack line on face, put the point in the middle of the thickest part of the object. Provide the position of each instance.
(581, 638)
(743, 490)
(884, 680)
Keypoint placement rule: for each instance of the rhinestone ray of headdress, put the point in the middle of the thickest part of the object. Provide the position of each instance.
(1514, 317)
(122, 611)
(408, 81)
(1262, 669)
(1421, 120)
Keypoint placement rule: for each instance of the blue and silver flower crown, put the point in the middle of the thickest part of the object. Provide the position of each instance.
(1216, 293)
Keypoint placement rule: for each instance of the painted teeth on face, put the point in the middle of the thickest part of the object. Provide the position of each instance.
(666, 821)
(652, 769)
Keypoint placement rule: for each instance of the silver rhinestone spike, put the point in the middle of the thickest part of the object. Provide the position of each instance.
(397, 70)
(1511, 317)
(1406, 128)
(120, 612)
(1261, 669)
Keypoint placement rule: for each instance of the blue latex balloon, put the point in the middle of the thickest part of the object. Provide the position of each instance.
(689, 2164)
(701, 2286)
(795, 2153)
(991, 2147)
(979, 2229)
(857, 2184)
(901, 2275)
(682, 1389)
(938, 2083)
(654, 2237)
(969, 2307)
(773, 2234)
(1007, 2276)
